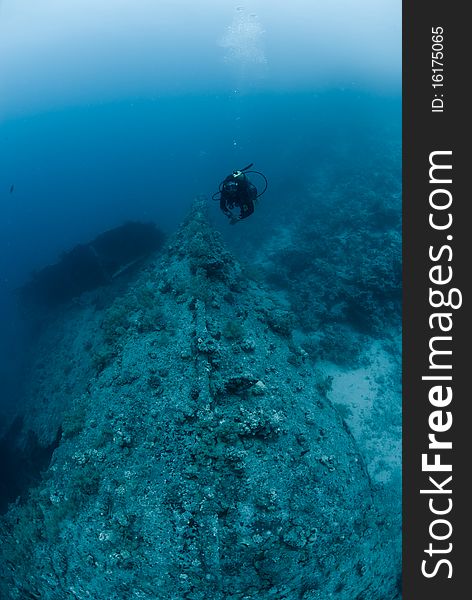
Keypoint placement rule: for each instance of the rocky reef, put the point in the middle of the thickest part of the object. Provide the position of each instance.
(194, 451)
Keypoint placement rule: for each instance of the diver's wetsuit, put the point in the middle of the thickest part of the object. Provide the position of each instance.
(244, 196)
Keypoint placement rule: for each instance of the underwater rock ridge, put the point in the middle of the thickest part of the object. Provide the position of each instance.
(201, 460)
(90, 265)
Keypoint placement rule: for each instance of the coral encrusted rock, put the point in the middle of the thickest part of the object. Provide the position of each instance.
(196, 459)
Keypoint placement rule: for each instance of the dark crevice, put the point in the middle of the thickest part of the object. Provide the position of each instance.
(21, 466)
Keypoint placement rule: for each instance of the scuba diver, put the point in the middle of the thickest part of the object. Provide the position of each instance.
(236, 191)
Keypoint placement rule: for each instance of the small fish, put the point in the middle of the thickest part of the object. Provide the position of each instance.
(12, 187)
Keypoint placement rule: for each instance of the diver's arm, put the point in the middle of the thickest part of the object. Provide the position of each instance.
(223, 205)
(247, 204)
(247, 208)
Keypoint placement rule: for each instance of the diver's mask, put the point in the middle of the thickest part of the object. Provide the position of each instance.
(231, 187)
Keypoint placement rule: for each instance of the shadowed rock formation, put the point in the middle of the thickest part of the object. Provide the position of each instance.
(88, 266)
(199, 456)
